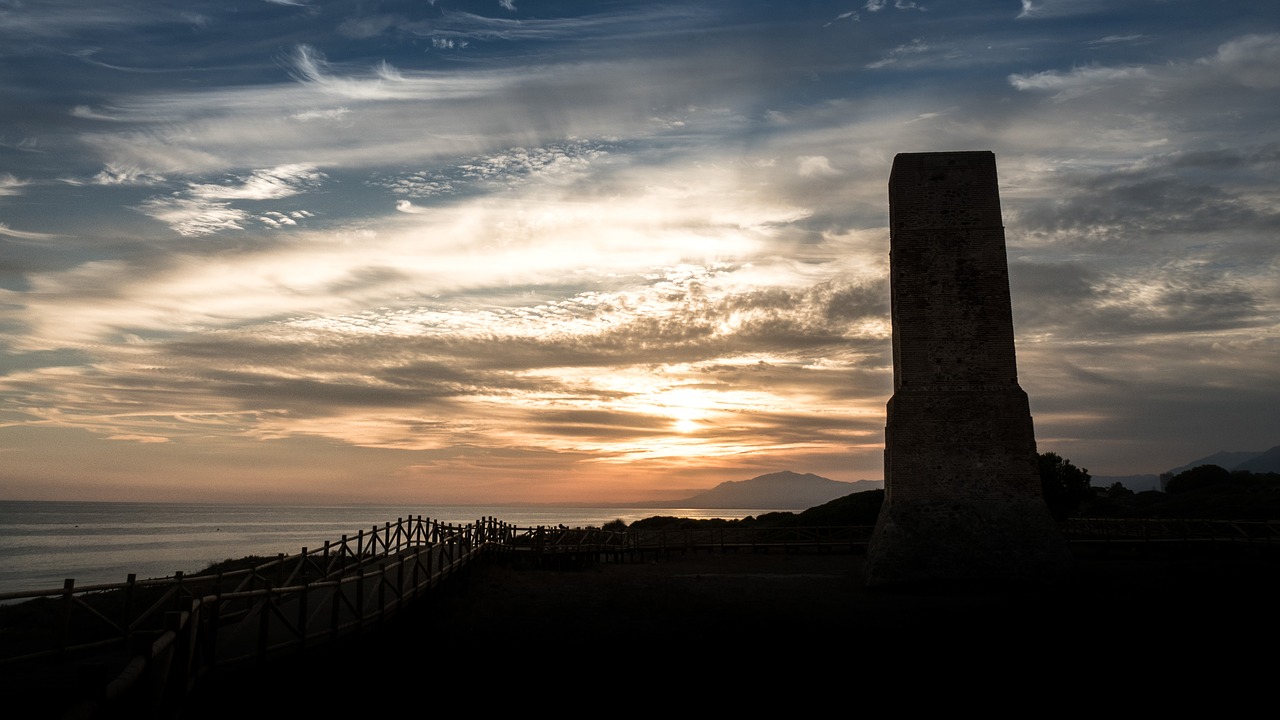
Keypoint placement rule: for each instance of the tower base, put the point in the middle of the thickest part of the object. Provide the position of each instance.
(962, 492)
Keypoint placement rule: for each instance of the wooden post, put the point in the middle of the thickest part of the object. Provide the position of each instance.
(302, 614)
(214, 616)
(382, 592)
(126, 610)
(335, 606)
(64, 633)
(400, 582)
(263, 622)
(360, 598)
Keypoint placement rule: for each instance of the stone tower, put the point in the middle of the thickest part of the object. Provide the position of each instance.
(962, 491)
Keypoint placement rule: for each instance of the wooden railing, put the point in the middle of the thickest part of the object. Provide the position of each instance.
(145, 643)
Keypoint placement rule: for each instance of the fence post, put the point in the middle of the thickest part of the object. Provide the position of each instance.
(360, 598)
(302, 614)
(335, 603)
(382, 592)
(213, 622)
(64, 633)
(263, 619)
(126, 611)
(400, 583)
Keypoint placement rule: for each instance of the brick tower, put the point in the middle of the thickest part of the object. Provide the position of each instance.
(962, 491)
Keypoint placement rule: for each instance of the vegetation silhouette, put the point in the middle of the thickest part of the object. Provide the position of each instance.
(1065, 486)
(1203, 492)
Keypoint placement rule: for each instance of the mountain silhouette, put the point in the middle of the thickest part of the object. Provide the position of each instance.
(776, 491)
(1253, 461)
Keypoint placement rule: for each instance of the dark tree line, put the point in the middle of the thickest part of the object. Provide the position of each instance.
(1066, 487)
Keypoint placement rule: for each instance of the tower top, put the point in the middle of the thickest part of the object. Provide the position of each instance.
(944, 189)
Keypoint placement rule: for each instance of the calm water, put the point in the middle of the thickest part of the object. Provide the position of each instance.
(43, 543)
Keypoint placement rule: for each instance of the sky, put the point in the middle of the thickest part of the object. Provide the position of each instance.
(535, 251)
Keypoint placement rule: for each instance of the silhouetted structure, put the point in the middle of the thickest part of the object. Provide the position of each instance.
(962, 492)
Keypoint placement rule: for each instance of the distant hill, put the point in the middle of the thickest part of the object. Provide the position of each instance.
(780, 491)
(1268, 461)
(1251, 460)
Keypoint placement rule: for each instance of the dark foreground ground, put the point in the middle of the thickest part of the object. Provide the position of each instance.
(733, 630)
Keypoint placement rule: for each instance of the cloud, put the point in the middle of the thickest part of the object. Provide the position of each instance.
(878, 5)
(7, 231)
(119, 175)
(1080, 81)
(1114, 39)
(816, 165)
(1062, 8)
(850, 16)
(88, 113)
(270, 184)
(897, 54)
(204, 208)
(559, 163)
(1251, 61)
(194, 216)
(330, 114)
(10, 185)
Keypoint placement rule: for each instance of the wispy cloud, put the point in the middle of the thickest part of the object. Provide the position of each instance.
(916, 47)
(270, 184)
(1251, 61)
(1114, 39)
(204, 208)
(10, 185)
(7, 231)
(1078, 82)
(193, 216)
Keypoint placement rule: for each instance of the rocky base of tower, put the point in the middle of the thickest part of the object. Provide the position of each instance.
(962, 492)
(918, 542)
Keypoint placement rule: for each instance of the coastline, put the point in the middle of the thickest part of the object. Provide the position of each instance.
(45, 542)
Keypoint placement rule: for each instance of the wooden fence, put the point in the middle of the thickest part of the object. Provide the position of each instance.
(145, 643)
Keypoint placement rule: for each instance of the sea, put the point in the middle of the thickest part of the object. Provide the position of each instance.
(43, 543)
